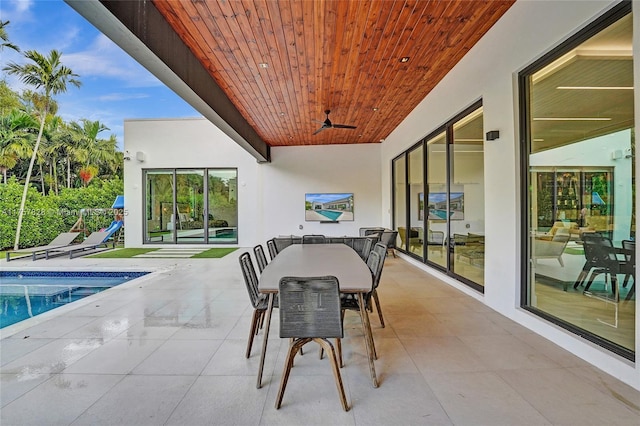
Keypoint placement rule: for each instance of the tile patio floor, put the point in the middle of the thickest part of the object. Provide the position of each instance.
(169, 349)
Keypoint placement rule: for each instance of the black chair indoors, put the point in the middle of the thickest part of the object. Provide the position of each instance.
(314, 239)
(591, 260)
(605, 261)
(258, 301)
(273, 250)
(260, 257)
(629, 267)
(310, 311)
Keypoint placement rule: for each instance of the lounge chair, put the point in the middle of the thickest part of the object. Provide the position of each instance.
(62, 240)
(91, 244)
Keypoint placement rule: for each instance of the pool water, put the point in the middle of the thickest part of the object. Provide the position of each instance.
(25, 294)
(333, 215)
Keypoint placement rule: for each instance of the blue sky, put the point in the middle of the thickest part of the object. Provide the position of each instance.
(114, 86)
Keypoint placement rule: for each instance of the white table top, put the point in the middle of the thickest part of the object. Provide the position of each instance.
(307, 260)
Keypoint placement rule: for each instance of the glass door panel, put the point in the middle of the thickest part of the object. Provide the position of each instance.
(466, 198)
(158, 206)
(416, 232)
(222, 208)
(188, 217)
(436, 200)
(400, 200)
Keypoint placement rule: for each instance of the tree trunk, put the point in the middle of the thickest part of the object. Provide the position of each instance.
(41, 178)
(28, 178)
(68, 172)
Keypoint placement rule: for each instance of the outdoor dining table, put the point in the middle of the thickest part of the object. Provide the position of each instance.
(307, 260)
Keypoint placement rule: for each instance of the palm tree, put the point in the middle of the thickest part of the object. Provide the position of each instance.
(5, 38)
(16, 136)
(49, 75)
(97, 152)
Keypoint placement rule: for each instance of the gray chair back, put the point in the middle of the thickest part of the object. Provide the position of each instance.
(310, 307)
(363, 232)
(389, 238)
(250, 279)
(260, 257)
(314, 239)
(362, 246)
(282, 242)
(381, 249)
(271, 246)
(375, 262)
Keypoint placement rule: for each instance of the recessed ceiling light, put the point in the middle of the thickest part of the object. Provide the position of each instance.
(404, 59)
(281, 114)
(595, 87)
(374, 108)
(572, 119)
(263, 65)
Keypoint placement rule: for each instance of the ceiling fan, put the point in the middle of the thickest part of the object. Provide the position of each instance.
(327, 124)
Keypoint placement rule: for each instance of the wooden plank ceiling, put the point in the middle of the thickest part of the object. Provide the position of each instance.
(283, 63)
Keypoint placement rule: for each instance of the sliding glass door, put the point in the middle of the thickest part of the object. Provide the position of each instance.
(191, 206)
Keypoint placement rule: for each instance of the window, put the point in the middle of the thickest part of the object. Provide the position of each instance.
(578, 128)
(439, 211)
(191, 206)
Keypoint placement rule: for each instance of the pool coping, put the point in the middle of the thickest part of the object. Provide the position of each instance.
(152, 272)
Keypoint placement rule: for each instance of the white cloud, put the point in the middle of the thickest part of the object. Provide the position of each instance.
(17, 10)
(116, 97)
(104, 59)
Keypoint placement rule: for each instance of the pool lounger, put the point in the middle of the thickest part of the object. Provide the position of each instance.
(92, 244)
(62, 240)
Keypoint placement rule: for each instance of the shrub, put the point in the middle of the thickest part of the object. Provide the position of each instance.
(41, 221)
(47, 216)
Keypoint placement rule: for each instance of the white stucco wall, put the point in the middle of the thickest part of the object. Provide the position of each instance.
(184, 143)
(270, 196)
(294, 171)
(489, 72)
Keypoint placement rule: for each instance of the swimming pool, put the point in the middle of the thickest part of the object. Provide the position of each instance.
(25, 294)
(331, 214)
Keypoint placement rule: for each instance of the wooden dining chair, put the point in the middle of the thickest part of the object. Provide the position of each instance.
(310, 311)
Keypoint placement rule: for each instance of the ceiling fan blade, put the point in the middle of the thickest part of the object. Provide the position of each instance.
(344, 126)
(319, 130)
(317, 121)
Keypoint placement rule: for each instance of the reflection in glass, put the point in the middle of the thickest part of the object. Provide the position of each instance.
(159, 205)
(400, 200)
(582, 189)
(436, 198)
(416, 201)
(189, 212)
(466, 198)
(222, 210)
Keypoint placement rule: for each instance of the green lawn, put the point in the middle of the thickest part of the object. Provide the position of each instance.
(214, 253)
(123, 253)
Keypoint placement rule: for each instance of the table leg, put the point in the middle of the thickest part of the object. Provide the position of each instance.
(264, 342)
(368, 338)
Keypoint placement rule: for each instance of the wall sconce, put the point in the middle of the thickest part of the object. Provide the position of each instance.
(140, 156)
(127, 156)
(492, 135)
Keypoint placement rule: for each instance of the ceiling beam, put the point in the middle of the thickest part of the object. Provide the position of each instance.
(139, 29)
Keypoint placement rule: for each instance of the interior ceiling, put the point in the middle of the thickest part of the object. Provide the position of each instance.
(600, 71)
(342, 55)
